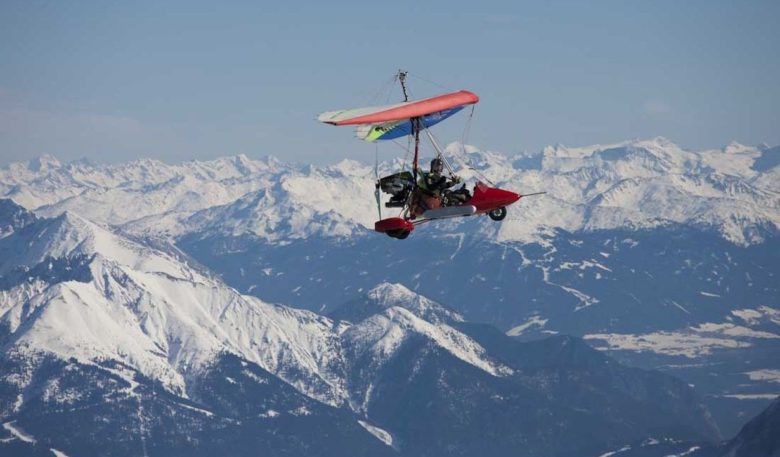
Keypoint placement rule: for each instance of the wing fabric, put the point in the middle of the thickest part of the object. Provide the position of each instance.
(400, 112)
(398, 129)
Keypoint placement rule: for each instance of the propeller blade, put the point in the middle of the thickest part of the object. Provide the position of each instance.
(378, 201)
(376, 176)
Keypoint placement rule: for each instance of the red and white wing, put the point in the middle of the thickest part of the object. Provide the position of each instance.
(399, 111)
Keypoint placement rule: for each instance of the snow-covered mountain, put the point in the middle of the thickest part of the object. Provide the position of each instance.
(116, 194)
(302, 203)
(640, 184)
(645, 184)
(148, 310)
(94, 323)
(151, 312)
(674, 297)
(663, 257)
(387, 295)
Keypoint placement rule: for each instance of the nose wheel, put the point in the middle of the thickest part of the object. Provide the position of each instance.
(498, 214)
(399, 234)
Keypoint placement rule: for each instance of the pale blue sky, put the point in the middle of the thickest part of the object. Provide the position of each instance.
(179, 80)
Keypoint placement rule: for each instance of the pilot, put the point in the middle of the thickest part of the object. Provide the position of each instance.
(435, 184)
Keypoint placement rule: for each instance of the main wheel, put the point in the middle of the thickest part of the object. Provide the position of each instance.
(399, 234)
(498, 214)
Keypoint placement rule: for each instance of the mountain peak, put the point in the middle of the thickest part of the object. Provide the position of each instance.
(737, 148)
(661, 141)
(64, 236)
(349, 167)
(561, 151)
(383, 335)
(13, 217)
(44, 163)
(392, 295)
(243, 163)
(70, 235)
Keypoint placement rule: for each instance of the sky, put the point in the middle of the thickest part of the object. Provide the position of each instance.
(182, 80)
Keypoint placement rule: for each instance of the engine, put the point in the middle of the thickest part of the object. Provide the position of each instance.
(399, 186)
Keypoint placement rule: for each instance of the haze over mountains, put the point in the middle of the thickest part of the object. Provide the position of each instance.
(150, 286)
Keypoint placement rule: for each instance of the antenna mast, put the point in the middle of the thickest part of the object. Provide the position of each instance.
(402, 79)
(415, 125)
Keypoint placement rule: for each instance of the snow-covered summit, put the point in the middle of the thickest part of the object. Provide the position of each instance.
(381, 336)
(388, 295)
(70, 235)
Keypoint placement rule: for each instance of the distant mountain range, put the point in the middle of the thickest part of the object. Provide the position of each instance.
(139, 295)
(635, 184)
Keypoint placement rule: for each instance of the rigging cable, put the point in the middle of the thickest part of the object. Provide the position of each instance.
(465, 165)
(385, 88)
(467, 129)
(430, 82)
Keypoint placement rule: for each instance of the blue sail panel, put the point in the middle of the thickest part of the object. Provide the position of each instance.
(393, 130)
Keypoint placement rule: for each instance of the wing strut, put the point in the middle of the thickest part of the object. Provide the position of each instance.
(416, 129)
(439, 151)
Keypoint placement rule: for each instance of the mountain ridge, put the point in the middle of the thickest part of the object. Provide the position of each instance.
(641, 183)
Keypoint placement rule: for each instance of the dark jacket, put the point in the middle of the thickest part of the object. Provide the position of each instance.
(435, 183)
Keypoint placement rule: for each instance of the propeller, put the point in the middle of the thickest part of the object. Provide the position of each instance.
(377, 193)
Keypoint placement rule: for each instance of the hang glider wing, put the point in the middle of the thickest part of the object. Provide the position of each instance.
(397, 129)
(401, 112)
